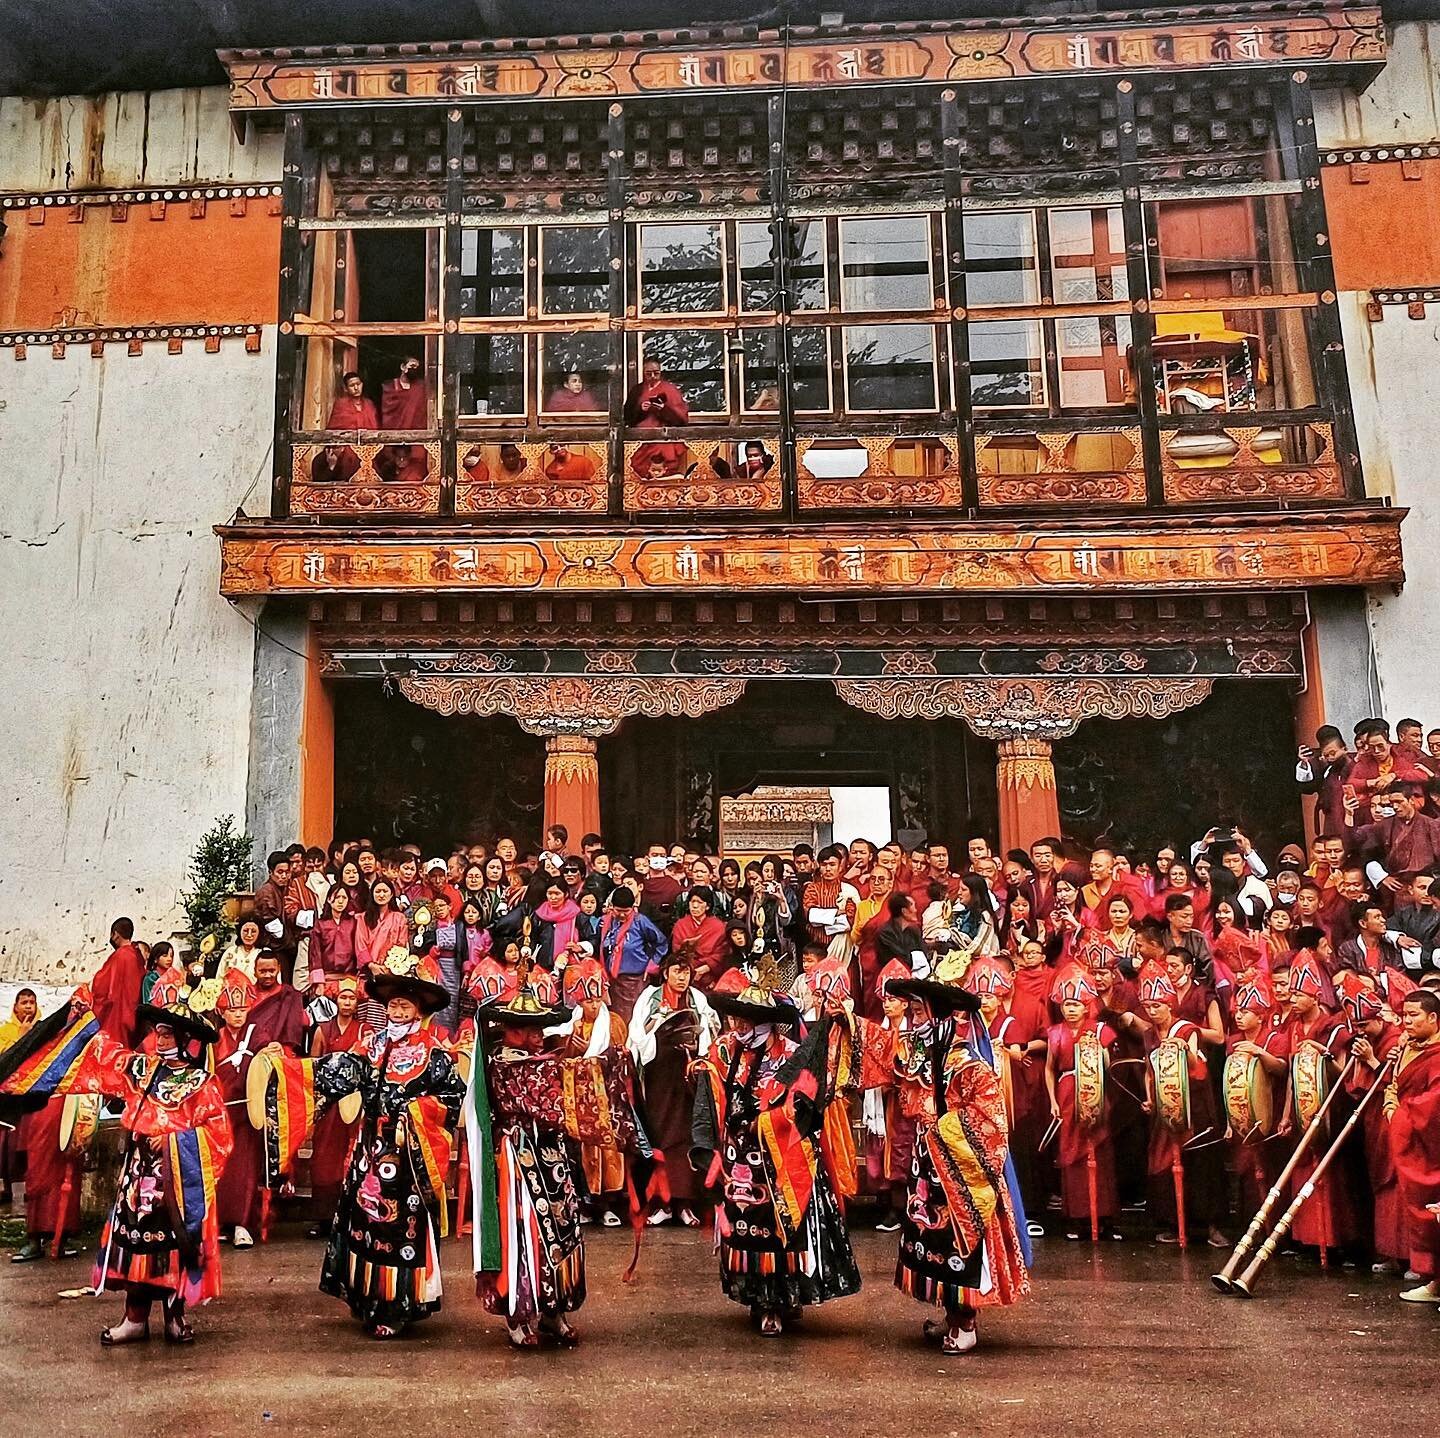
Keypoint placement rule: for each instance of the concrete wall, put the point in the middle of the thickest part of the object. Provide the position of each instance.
(1394, 367)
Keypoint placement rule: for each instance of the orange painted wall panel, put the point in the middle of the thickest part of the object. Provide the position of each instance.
(215, 269)
(1385, 232)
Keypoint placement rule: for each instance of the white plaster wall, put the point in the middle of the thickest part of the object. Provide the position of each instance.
(129, 139)
(1401, 106)
(1394, 380)
(1394, 369)
(126, 676)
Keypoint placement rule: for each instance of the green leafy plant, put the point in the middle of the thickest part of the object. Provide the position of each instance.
(219, 866)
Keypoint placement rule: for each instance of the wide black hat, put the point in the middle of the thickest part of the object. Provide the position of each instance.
(761, 1000)
(943, 998)
(180, 1017)
(523, 1010)
(404, 975)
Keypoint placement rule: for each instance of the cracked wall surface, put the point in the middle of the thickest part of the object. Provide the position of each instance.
(1394, 368)
(127, 679)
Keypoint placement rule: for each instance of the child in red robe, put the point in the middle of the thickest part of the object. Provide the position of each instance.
(1086, 1157)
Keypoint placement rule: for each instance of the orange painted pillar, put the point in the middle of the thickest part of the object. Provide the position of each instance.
(1029, 809)
(572, 786)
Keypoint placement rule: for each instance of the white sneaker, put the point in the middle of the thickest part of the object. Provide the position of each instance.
(611, 1219)
(242, 1238)
(1426, 1293)
(661, 1215)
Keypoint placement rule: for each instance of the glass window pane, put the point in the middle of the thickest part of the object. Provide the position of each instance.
(680, 270)
(492, 374)
(575, 273)
(1000, 264)
(890, 367)
(694, 362)
(806, 239)
(1094, 361)
(575, 373)
(810, 382)
(1006, 367)
(1087, 255)
(492, 272)
(885, 263)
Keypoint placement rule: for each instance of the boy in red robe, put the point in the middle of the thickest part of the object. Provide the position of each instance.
(1086, 1157)
(330, 1147)
(238, 1193)
(1328, 1220)
(1374, 1041)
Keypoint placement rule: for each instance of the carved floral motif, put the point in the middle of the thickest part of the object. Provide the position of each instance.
(1013, 708)
(570, 705)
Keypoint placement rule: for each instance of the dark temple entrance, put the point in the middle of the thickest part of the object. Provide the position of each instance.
(665, 777)
(405, 772)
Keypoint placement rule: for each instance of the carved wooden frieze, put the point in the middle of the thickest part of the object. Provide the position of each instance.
(1003, 708)
(570, 705)
(1252, 461)
(687, 63)
(908, 473)
(1358, 546)
(1061, 467)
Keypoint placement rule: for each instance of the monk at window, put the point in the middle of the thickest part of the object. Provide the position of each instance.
(353, 410)
(565, 463)
(655, 403)
(574, 398)
(404, 404)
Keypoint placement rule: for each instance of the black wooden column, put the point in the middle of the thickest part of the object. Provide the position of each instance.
(1137, 273)
(288, 372)
(450, 306)
(959, 296)
(1310, 231)
(780, 282)
(619, 267)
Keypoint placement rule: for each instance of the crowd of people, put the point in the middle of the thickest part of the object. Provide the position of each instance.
(1136, 1040)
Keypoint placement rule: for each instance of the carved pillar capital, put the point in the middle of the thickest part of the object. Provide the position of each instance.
(1025, 764)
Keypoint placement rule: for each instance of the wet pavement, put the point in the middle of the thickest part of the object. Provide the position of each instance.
(1123, 1339)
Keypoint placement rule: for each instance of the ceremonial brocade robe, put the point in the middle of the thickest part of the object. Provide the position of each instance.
(759, 1116)
(960, 1234)
(383, 1255)
(521, 1108)
(162, 1231)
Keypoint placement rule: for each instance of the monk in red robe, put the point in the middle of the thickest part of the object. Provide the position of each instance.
(330, 1146)
(352, 409)
(1373, 1042)
(275, 1014)
(404, 404)
(1412, 1106)
(655, 403)
(1085, 1152)
(237, 1195)
(116, 988)
(1328, 1220)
